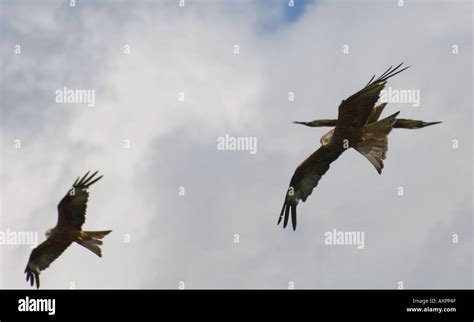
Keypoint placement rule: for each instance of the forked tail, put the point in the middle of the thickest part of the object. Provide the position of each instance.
(92, 239)
(374, 141)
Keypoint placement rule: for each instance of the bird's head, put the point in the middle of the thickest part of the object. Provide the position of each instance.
(326, 138)
(48, 232)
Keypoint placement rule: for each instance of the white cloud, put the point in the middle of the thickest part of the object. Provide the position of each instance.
(173, 143)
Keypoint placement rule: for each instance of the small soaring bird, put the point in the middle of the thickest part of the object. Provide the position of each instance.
(71, 217)
(357, 126)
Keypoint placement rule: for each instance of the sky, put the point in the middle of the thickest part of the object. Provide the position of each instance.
(170, 81)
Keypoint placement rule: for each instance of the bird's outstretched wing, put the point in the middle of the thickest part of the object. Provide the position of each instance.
(412, 124)
(399, 123)
(354, 111)
(72, 208)
(41, 257)
(318, 123)
(305, 179)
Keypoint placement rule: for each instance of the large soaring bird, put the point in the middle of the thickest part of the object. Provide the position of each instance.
(71, 217)
(357, 126)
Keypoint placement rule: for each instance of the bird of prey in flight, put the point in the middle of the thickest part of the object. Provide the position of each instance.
(71, 217)
(357, 126)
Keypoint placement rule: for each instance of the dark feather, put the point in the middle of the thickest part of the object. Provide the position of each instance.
(354, 111)
(287, 212)
(41, 257)
(412, 124)
(318, 123)
(72, 208)
(306, 178)
(293, 216)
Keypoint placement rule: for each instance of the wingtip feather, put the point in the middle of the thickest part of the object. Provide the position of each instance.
(83, 178)
(293, 216)
(91, 183)
(287, 215)
(86, 182)
(281, 213)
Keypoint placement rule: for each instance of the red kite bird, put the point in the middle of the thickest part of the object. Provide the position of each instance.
(357, 126)
(71, 217)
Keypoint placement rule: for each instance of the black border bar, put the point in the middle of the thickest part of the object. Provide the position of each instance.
(241, 304)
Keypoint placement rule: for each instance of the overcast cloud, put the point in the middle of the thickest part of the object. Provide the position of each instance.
(191, 49)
